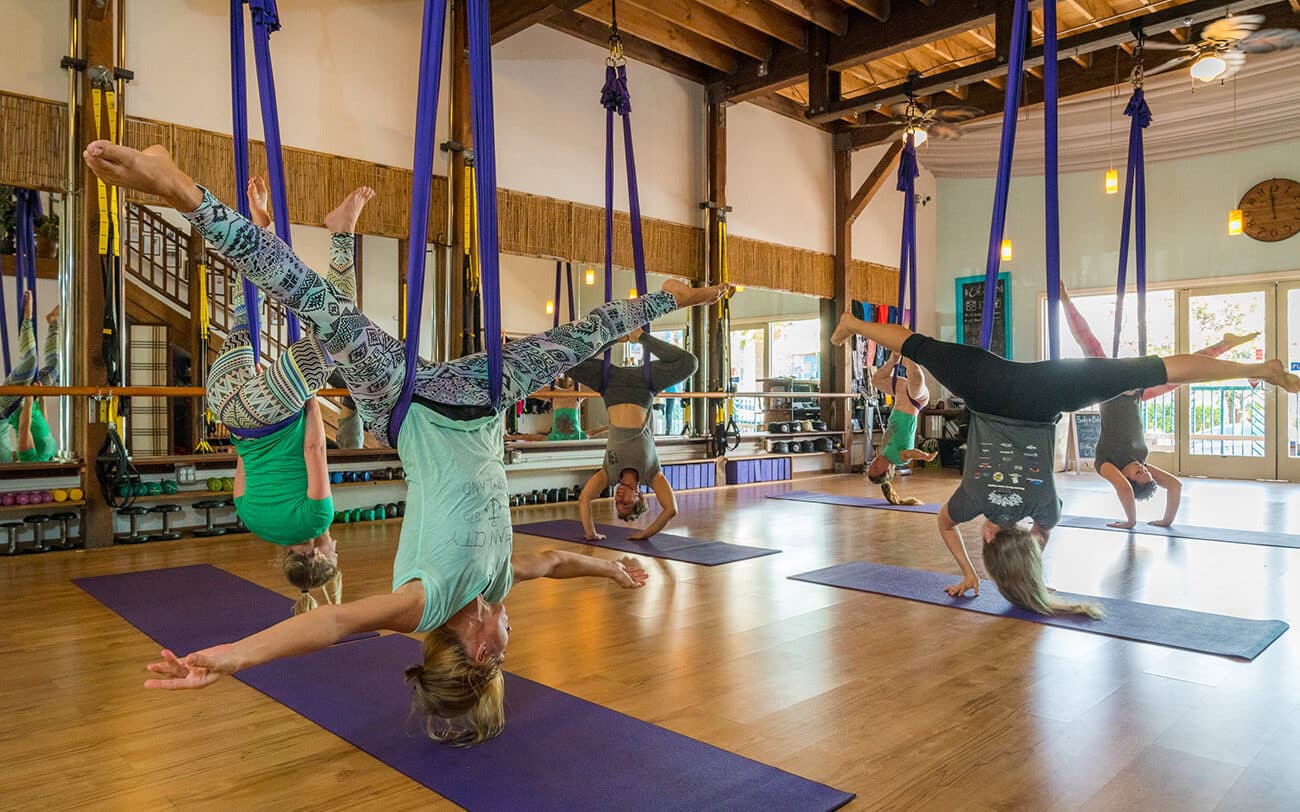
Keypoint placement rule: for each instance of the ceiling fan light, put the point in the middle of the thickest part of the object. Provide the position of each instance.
(1112, 181)
(918, 135)
(1208, 67)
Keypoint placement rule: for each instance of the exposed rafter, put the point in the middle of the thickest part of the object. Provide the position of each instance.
(597, 33)
(765, 18)
(1109, 36)
(653, 28)
(710, 24)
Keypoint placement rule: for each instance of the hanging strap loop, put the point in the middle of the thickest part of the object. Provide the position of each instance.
(1135, 213)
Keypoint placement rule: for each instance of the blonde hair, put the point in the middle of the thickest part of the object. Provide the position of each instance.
(638, 509)
(308, 572)
(1015, 563)
(462, 701)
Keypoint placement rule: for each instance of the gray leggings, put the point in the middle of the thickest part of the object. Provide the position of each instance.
(373, 362)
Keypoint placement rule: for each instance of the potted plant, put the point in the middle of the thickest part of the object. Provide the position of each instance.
(47, 236)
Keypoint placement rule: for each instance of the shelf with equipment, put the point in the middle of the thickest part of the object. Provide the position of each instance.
(794, 408)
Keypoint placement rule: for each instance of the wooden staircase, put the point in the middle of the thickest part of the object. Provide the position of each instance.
(159, 260)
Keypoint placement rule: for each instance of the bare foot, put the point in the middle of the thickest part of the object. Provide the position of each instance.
(27, 305)
(151, 171)
(259, 202)
(1277, 375)
(53, 316)
(343, 220)
(845, 329)
(1234, 340)
(688, 296)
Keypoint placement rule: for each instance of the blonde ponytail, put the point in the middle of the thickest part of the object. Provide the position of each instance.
(1015, 563)
(462, 701)
(333, 589)
(891, 494)
(305, 603)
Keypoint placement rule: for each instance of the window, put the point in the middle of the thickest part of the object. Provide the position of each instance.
(748, 364)
(796, 349)
(668, 415)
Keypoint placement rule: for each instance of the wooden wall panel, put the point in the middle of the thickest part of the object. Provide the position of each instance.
(33, 142)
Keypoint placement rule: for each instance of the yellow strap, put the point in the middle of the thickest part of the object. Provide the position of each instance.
(205, 318)
(401, 311)
(111, 99)
(471, 226)
(97, 105)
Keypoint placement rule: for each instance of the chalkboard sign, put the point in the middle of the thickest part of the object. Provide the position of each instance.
(1087, 430)
(970, 312)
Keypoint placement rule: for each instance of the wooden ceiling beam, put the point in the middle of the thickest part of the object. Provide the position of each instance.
(821, 13)
(1108, 36)
(875, 9)
(864, 40)
(764, 18)
(509, 17)
(653, 28)
(589, 30)
(709, 24)
(875, 180)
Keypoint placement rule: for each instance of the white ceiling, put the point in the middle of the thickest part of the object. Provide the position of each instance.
(1184, 122)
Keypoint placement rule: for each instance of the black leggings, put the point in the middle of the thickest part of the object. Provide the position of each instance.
(1037, 391)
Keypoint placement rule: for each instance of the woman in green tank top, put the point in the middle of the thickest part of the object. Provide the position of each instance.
(910, 397)
(282, 488)
(33, 440)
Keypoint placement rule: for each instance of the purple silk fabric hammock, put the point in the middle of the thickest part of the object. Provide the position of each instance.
(614, 97)
(567, 269)
(27, 211)
(485, 177)
(266, 20)
(1135, 209)
(1011, 111)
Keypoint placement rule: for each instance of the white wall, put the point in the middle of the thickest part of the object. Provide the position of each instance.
(779, 175)
(1187, 210)
(35, 39)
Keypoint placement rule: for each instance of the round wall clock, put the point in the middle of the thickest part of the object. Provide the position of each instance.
(1270, 210)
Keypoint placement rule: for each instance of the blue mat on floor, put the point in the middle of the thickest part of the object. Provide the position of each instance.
(1262, 538)
(557, 752)
(1144, 622)
(661, 545)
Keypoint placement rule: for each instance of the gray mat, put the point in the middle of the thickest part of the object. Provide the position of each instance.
(1144, 622)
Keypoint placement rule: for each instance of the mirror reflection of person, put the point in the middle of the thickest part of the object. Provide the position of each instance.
(24, 432)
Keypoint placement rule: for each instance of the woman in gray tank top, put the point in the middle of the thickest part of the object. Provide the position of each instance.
(630, 456)
(1121, 457)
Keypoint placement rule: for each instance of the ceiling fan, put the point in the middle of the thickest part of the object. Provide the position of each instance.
(923, 122)
(1221, 49)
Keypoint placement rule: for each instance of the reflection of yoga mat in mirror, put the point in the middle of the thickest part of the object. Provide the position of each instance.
(542, 760)
(661, 545)
(1144, 622)
(1262, 538)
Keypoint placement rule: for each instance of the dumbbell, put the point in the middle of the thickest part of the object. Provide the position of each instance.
(214, 484)
(169, 486)
(780, 447)
(390, 510)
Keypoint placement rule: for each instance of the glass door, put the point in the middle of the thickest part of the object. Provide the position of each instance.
(1288, 431)
(1229, 427)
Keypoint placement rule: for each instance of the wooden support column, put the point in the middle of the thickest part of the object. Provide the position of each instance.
(98, 36)
(712, 335)
(452, 313)
(835, 372)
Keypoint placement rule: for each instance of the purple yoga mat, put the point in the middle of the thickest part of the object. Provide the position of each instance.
(661, 545)
(1262, 538)
(558, 752)
(1144, 622)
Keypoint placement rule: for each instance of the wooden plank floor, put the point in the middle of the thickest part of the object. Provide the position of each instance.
(912, 706)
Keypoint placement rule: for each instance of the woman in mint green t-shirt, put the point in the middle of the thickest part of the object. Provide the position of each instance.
(34, 442)
(453, 564)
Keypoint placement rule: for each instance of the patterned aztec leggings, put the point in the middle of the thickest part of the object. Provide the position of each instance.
(373, 362)
(22, 372)
(240, 394)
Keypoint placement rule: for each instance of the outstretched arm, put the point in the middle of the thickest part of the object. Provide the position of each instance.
(1124, 490)
(396, 611)
(1173, 494)
(626, 572)
(953, 541)
(594, 487)
(667, 508)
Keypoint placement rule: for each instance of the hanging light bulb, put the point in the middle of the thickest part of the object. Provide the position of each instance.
(631, 294)
(550, 307)
(1007, 253)
(591, 277)
(1112, 181)
(1234, 223)
(1208, 67)
(918, 135)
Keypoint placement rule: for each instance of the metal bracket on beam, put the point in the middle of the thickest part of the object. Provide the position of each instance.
(76, 63)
